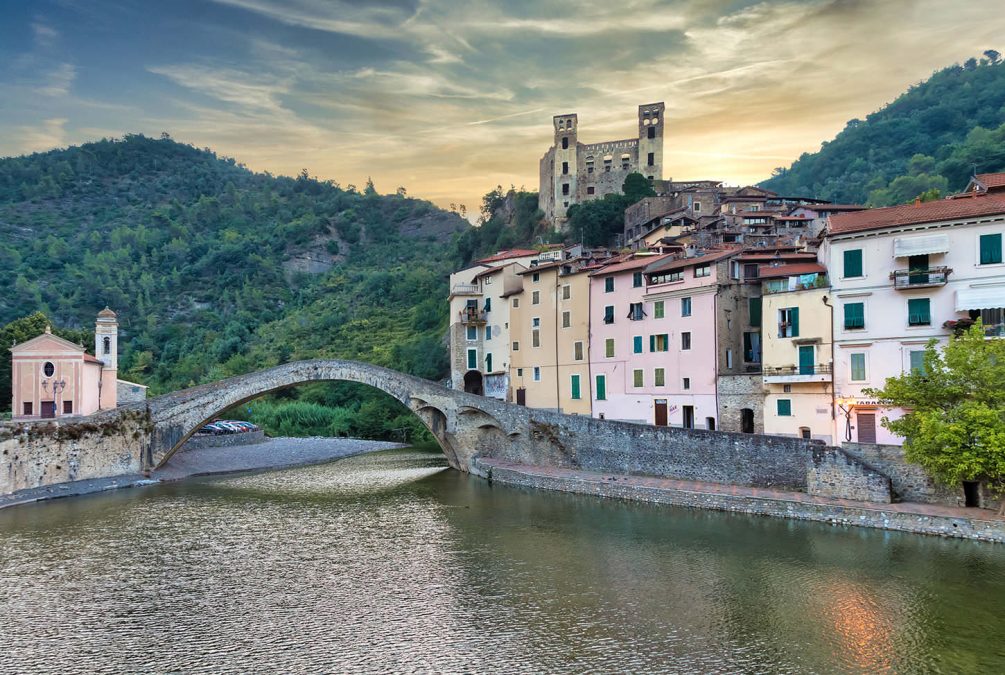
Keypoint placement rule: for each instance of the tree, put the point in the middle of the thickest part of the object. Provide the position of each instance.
(637, 187)
(955, 424)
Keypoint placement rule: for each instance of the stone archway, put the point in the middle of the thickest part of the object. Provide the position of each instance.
(474, 383)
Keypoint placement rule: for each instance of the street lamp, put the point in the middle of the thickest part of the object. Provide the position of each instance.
(845, 405)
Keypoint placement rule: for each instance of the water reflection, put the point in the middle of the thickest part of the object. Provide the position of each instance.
(390, 563)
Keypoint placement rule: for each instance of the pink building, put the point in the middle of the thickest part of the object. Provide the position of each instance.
(653, 340)
(53, 377)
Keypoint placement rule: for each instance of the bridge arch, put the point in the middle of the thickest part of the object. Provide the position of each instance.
(176, 417)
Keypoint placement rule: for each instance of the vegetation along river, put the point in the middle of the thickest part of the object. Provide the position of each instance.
(391, 562)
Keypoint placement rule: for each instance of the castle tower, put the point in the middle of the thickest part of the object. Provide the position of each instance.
(565, 164)
(106, 349)
(651, 123)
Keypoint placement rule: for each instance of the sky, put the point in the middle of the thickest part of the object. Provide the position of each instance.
(449, 98)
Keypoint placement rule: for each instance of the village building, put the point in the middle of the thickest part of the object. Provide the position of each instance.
(901, 276)
(572, 172)
(53, 378)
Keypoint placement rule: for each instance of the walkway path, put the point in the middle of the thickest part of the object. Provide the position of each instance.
(912, 517)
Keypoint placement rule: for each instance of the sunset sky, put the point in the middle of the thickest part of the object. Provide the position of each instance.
(451, 97)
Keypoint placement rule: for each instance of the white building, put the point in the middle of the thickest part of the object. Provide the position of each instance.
(901, 276)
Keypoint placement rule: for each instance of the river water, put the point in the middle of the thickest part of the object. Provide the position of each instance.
(390, 562)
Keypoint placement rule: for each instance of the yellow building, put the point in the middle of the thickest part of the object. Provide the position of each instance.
(549, 329)
(797, 351)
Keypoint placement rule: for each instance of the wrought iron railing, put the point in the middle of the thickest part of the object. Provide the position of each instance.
(811, 369)
(916, 278)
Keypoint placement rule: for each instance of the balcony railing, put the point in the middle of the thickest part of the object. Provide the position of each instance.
(465, 289)
(920, 278)
(472, 316)
(811, 369)
(994, 330)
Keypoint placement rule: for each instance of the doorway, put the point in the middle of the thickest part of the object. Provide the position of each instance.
(473, 383)
(710, 423)
(661, 412)
(972, 493)
(746, 421)
(866, 427)
(688, 411)
(521, 396)
(48, 410)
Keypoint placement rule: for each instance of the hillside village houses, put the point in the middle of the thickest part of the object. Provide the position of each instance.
(734, 309)
(53, 378)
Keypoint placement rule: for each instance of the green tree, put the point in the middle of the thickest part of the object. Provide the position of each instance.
(637, 187)
(955, 424)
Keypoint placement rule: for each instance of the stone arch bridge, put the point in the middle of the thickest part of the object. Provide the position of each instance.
(474, 432)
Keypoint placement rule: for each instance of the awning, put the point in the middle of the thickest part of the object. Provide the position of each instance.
(991, 297)
(904, 247)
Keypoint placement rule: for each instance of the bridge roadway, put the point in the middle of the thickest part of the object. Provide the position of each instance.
(469, 428)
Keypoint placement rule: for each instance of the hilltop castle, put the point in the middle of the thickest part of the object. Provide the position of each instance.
(573, 172)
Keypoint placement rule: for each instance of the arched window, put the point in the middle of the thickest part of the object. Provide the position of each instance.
(106, 345)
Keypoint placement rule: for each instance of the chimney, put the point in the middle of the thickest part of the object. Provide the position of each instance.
(917, 201)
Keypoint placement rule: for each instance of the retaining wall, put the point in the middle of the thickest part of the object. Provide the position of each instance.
(201, 441)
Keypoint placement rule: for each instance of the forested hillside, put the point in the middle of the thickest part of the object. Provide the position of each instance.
(925, 143)
(215, 270)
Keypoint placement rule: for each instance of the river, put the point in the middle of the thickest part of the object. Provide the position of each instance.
(389, 562)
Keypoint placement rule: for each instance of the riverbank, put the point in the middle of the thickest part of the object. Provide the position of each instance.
(976, 524)
(272, 454)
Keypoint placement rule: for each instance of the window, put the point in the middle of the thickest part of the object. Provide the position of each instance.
(685, 383)
(565, 142)
(666, 277)
(67, 407)
(637, 378)
(488, 332)
(516, 302)
(609, 314)
(784, 407)
(566, 319)
(637, 344)
(685, 340)
(991, 249)
(919, 312)
(609, 348)
(702, 271)
(917, 357)
(659, 377)
(636, 279)
(854, 315)
(519, 372)
(729, 358)
(658, 309)
(577, 350)
(48, 369)
(805, 433)
(27, 408)
(574, 387)
(516, 346)
(590, 189)
(751, 271)
(472, 333)
(535, 298)
(601, 388)
(609, 285)
(535, 322)
(857, 367)
(472, 359)
(788, 322)
(787, 388)
(752, 347)
(537, 373)
(107, 345)
(566, 292)
(754, 309)
(696, 207)
(635, 312)
(651, 159)
(685, 306)
(535, 277)
(535, 338)
(659, 343)
(565, 188)
(853, 263)
(651, 132)
(565, 168)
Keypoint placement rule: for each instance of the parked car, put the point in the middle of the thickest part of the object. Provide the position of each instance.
(220, 427)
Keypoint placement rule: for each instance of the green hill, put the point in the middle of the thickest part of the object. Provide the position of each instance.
(926, 142)
(215, 270)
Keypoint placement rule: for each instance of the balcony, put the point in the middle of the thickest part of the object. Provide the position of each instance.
(465, 289)
(471, 316)
(920, 278)
(820, 372)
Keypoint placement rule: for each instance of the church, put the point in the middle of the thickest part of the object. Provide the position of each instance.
(54, 378)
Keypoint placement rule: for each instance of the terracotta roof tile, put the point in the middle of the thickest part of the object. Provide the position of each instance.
(633, 264)
(991, 180)
(909, 214)
(511, 253)
(681, 263)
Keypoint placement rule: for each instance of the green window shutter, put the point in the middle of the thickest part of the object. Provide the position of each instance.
(754, 305)
(488, 304)
(652, 343)
(659, 377)
(918, 362)
(919, 312)
(601, 387)
(854, 315)
(488, 363)
(575, 387)
(637, 380)
(794, 316)
(472, 359)
(784, 407)
(637, 344)
(666, 342)
(853, 263)
(609, 285)
(858, 367)
(609, 348)
(991, 249)
(658, 309)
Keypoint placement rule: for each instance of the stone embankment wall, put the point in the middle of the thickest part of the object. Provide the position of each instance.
(200, 441)
(35, 454)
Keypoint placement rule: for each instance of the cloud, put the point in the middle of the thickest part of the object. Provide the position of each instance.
(57, 81)
(51, 133)
(44, 34)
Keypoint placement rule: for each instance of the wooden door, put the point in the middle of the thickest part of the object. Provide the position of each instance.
(521, 396)
(48, 409)
(866, 427)
(661, 412)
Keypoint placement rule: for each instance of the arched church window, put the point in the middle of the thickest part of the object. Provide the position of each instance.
(107, 345)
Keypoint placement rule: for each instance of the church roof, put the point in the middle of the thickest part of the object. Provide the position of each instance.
(106, 313)
(49, 341)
